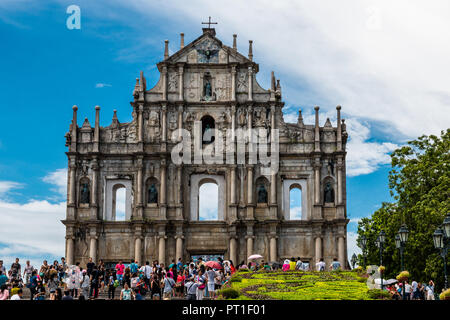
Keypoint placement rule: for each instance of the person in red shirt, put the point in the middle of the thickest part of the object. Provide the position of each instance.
(232, 268)
(120, 267)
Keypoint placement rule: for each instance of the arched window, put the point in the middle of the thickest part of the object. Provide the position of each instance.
(208, 125)
(295, 203)
(119, 202)
(208, 197)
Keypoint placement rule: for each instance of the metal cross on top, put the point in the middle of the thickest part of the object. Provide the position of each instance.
(209, 23)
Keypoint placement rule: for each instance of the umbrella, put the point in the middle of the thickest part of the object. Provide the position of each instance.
(213, 265)
(255, 256)
(390, 281)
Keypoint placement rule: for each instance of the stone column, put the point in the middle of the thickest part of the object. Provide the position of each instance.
(317, 167)
(318, 251)
(233, 250)
(69, 250)
(140, 123)
(72, 181)
(341, 252)
(250, 83)
(273, 188)
(272, 117)
(164, 122)
(317, 131)
(339, 130)
(339, 180)
(164, 83)
(97, 129)
(162, 249)
(180, 83)
(233, 185)
(138, 249)
(249, 245)
(233, 83)
(93, 248)
(249, 185)
(273, 248)
(233, 122)
(163, 190)
(139, 187)
(179, 247)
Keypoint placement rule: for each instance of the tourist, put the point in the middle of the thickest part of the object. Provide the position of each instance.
(201, 281)
(155, 288)
(120, 268)
(85, 285)
(90, 266)
(67, 295)
(408, 290)
(32, 285)
(112, 284)
(286, 265)
(134, 267)
(4, 292)
(18, 295)
(320, 266)
(62, 269)
(179, 265)
(210, 278)
(218, 280)
(28, 270)
(3, 278)
(94, 278)
(2, 267)
(430, 290)
(335, 265)
(191, 287)
(169, 285)
(298, 264)
(40, 291)
(53, 284)
(73, 282)
(15, 270)
(43, 271)
(134, 280)
(126, 293)
(179, 286)
(147, 270)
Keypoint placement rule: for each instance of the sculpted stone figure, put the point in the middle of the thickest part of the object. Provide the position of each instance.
(85, 194)
(262, 194)
(152, 194)
(329, 193)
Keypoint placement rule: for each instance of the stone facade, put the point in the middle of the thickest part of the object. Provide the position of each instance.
(204, 79)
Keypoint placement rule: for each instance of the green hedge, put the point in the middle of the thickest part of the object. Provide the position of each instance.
(229, 293)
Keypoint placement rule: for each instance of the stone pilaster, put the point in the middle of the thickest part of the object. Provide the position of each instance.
(94, 189)
(93, 237)
(70, 249)
(233, 83)
(316, 131)
(250, 83)
(180, 83)
(139, 187)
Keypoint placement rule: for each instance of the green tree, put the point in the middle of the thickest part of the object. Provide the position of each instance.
(419, 182)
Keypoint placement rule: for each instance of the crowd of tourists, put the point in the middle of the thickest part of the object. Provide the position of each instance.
(131, 281)
(155, 281)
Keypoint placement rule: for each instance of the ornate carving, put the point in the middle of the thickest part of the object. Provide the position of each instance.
(173, 82)
(242, 81)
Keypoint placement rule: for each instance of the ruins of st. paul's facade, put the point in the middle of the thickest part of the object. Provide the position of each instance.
(205, 87)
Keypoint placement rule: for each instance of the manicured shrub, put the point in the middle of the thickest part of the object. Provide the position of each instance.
(403, 276)
(236, 279)
(379, 294)
(229, 293)
(445, 295)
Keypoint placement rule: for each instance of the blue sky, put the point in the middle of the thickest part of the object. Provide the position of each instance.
(382, 62)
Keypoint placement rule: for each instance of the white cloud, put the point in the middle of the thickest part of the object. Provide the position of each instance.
(33, 229)
(102, 85)
(59, 179)
(6, 186)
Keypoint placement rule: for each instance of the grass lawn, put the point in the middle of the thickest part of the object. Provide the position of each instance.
(298, 285)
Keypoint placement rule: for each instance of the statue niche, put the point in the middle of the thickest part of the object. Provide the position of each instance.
(85, 193)
(328, 193)
(262, 194)
(152, 194)
(208, 94)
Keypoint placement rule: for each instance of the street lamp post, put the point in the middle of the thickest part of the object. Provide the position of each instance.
(353, 261)
(380, 241)
(441, 239)
(363, 243)
(400, 243)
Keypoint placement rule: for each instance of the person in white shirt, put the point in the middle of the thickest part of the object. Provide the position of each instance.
(415, 291)
(408, 290)
(18, 295)
(298, 264)
(320, 266)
